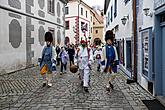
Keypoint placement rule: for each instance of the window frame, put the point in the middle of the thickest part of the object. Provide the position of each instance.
(97, 31)
(66, 10)
(51, 7)
(81, 11)
(115, 9)
(111, 13)
(66, 25)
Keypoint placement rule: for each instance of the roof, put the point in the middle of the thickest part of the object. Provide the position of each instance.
(99, 18)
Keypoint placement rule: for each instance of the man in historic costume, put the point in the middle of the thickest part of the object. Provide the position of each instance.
(109, 59)
(83, 59)
(47, 62)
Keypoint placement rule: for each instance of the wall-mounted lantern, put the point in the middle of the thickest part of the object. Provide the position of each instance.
(147, 13)
(124, 19)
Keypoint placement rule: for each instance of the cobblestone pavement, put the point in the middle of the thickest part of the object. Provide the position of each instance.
(23, 91)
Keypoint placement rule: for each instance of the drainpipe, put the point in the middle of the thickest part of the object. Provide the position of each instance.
(78, 21)
(134, 78)
(135, 40)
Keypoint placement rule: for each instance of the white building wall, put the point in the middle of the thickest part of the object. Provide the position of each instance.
(124, 31)
(143, 22)
(73, 15)
(70, 33)
(29, 50)
(84, 19)
(73, 9)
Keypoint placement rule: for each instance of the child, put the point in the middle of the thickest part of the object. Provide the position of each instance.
(97, 55)
(64, 59)
(47, 60)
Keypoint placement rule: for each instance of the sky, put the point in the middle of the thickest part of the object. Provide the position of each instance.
(95, 2)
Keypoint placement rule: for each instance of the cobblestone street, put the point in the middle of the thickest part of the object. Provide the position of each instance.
(23, 90)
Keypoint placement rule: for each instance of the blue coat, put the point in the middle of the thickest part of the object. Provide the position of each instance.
(48, 57)
(109, 57)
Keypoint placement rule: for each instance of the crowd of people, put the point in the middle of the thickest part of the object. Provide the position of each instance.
(82, 56)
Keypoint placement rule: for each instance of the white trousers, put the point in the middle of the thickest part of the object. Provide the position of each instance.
(84, 74)
(109, 76)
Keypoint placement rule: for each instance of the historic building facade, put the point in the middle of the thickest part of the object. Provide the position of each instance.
(22, 27)
(98, 26)
(119, 19)
(78, 16)
(150, 32)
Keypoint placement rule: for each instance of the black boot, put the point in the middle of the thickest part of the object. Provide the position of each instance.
(86, 89)
(82, 83)
(44, 84)
(108, 89)
(111, 85)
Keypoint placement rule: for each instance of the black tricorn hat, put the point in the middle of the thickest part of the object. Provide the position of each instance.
(48, 36)
(109, 35)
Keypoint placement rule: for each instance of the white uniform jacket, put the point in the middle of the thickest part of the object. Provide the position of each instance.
(83, 58)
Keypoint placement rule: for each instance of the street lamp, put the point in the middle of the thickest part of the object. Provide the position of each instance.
(124, 19)
(146, 12)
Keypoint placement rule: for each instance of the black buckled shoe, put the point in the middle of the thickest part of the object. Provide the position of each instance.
(44, 84)
(82, 83)
(108, 89)
(86, 89)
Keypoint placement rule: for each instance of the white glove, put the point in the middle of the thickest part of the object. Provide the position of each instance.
(53, 64)
(90, 62)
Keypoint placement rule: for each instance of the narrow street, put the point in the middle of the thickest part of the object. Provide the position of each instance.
(23, 91)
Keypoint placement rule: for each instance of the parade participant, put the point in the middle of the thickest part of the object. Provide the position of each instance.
(64, 59)
(71, 52)
(83, 59)
(109, 59)
(57, 52)
(47, 60)
(97, 55)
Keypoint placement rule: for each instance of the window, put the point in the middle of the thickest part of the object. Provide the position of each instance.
(66, 25)
(111, 13)
(81, 11)
(96, 31)
(93, 23)
(108, 18)
(82, 24)
(162, 18)
(86, 14)
(115, 11)
(91, 29)
(51, 7)
(66, 10)
(91, 18)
